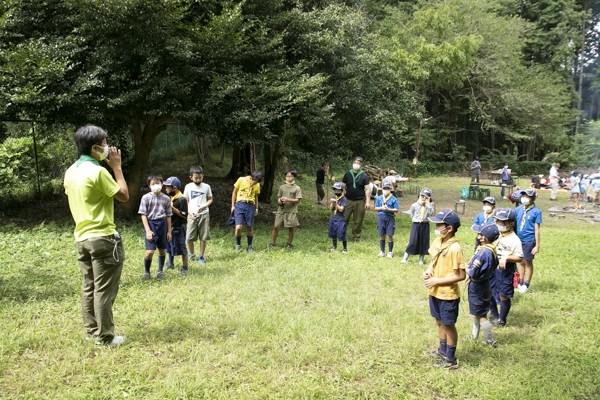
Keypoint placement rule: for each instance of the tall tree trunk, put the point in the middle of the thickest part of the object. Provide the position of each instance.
(220, 163)
(272, 157)
(581, 68)
(142, 145)
(243, 161)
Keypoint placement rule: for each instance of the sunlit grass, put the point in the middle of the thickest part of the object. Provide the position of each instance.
(301, 324)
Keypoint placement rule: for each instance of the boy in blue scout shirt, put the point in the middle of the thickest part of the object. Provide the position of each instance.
(337, 221)
(446, 269)
(481, 268)
(387, 207)
(509, 252)
(489, 205)
(528, 220)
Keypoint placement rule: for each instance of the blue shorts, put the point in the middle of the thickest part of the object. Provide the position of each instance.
(527, 247)
(446, 310)
(386, 225)
(159, 240)
(479, 298)
(337, 229)
(503, 281)
(177, 243)
(244, 213)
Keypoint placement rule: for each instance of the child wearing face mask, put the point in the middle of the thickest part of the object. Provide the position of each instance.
(509, 252)
(288, 197)
(528, 220)
(155, 209)
(419, 234)
(489, 204)
(387, 207)
(446, 269)
(337, 221)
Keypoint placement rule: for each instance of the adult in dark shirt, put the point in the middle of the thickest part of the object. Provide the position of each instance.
(358, 195)
(321, 174)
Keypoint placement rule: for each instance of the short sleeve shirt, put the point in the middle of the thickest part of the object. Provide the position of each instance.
(509, 245)
(532, 217)
(321, 176)
(197, 196)
(291, 192)
(448, 259)
(392, 202)
(246, 192)
(477, 170)
(90, 190)
(155, 207)
(355, 190)
(339, 215)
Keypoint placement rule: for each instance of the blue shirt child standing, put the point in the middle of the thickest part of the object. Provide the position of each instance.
(528, 218)
(387, 207)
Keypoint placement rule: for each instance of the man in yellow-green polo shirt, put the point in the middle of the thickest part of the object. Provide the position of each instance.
(91, 189)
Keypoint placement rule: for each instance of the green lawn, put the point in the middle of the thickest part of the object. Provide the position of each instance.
(305, 324)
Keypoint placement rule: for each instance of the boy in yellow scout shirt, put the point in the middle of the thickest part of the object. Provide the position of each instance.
(446, 269)
(244, 206)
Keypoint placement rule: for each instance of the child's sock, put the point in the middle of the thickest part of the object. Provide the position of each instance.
(184, 267)
(526, 283)
(494, 307)
(450, 353)
(390, 246)
(171, 259)
(421, 258)
(382, 245)
(487, 329)
(334, 243)
(250, 238)
(238, 240)
(147, 264)
(504, 309)
(405, 257)
(443, 347)
(521, 282)
(476, 326)
(161, 262)
(345, 244)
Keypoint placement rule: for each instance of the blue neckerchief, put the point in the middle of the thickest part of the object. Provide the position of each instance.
(85, 158)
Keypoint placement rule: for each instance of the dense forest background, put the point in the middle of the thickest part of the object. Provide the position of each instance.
(276, 81)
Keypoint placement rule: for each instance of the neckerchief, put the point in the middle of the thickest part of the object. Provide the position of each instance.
(487, 215)
(178, 195)
(489, 246)
(443, 246)
(385, 200)
(336, 202)
(355, 177)
(423, 212)
(525, 209)
(86, 158)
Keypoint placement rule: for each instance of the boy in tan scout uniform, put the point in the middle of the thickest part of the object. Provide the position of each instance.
(288, 197)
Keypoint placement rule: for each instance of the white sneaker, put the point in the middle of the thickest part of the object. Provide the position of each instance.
(403, 261)
(524, 289)
(381, 254)
(519, 288)
(389, 255)
(504, 197)
(420, 262)
(117, 340)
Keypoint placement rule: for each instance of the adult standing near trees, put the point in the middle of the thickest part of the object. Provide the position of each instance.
(554, 179)
(358, 194)
(91, 189)
(475, 170)
(505, 179)
(321, 174)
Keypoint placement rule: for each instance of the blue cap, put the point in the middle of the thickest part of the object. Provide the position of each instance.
(447, 217)
(515, 197)
(173, 181)
(489, 230)
(529, 192)
(505, 214)
(386, 185)
(426, 192)
(490, 200)
(338, 185)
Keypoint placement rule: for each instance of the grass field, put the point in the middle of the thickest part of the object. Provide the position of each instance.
(301, 324)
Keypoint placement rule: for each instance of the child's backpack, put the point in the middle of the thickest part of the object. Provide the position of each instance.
(464, 193)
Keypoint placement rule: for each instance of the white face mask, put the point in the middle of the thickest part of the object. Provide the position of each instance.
(356, 167)
(104, 154)
(487, 209)
(421, 201)
(386, 192)
(156, 188)
(502, 228)
(525, 201)
(438, 233)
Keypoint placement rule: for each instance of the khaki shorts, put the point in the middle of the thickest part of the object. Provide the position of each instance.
(198, 228)
(289, 220)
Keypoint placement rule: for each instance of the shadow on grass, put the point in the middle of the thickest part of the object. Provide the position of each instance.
(37, 285)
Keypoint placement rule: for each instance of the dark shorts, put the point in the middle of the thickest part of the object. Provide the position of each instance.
(479, 298)
(244, 213)
(159, 240)
(177, 243)
(527, 247)
(337, 229)
(386, 225)
(503, 281)
(446, 310)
